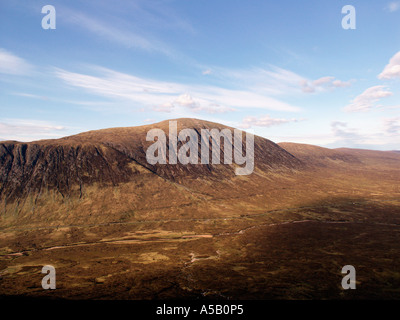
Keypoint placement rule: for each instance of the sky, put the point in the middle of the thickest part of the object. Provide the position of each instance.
(287, 70)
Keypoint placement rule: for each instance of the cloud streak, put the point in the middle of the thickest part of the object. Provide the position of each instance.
(366, 100)
(393, 6)
(120, 32)
(263, 121)
(392, 69)
(322, 84)
(29, 130)
(272, 81)
(12, 64)
(168, 96)
(387, 133)
(392, 126)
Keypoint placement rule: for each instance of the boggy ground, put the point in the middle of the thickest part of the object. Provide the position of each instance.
(293, 253)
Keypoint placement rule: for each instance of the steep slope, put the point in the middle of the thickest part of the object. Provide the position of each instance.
(112, 156)
(31, 167)
(132, 143)
(105, 175)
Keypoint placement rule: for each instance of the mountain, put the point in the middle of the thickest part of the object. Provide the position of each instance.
(37, 175)
(112, 156)
(118, 227)
(103, 176)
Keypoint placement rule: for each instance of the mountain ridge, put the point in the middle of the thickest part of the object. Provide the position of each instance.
(103, 176)
(75, 159)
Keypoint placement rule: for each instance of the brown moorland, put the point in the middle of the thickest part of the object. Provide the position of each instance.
(116, 227)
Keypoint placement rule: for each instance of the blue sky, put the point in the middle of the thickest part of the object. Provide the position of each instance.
(285, 69)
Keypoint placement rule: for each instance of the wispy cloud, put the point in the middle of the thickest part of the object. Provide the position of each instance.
(367, 100)
(275, 81)
(381, 134)
(29, 130)
(158, 15)
(187, 101)
(270, 81)
(12, 64)
(393, 6)
(29, 95)
(392, 125)
(392, 69)
(167, 96)
(384, 135)
(122, 32)
(128, 39)
(322, 84)
(342, 132)
(264, 121)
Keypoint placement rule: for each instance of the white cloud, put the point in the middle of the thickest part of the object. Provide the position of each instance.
(392, 125)
(29, 130)
(367, 99)
(341, 84)
(271, 81)
(352, 137)
(391, 70)
(12, 64)
(322, 81)
(381, 134)
(165, 108)
(343, 133)
(166, 96)
(306, 87)
(187, 101)
(254, 88)
(322, 84)
(263, 121)
(393, 6)
(29, 95)
(378, 134)
(392, 107)
(274, 81)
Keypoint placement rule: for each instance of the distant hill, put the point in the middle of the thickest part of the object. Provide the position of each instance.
(314, 155)
(319, 156)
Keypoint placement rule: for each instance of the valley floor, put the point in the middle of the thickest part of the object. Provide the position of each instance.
(292, 253)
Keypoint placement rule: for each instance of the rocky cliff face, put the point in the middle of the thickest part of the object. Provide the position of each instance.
(28, 168)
